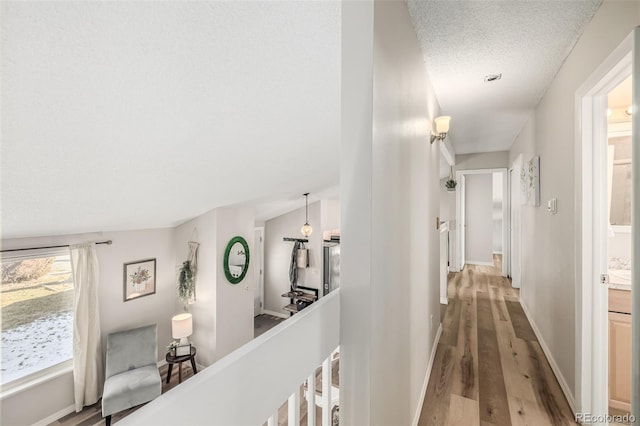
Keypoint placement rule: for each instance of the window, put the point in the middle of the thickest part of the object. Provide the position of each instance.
(37, 313)
(620, 212)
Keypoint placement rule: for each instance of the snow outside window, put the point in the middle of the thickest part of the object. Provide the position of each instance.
(37, 313)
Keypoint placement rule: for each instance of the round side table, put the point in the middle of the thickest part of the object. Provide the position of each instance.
(173, 359)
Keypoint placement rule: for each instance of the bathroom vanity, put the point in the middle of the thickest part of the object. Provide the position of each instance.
(620, 349)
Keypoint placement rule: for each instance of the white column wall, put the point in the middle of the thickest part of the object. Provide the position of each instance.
(390, 200)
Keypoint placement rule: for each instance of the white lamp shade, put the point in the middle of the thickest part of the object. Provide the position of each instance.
(181, 326)
(442, 124)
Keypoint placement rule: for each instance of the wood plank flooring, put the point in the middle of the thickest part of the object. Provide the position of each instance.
(489, 368)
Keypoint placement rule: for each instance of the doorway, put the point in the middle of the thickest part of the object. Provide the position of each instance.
(481, 215)
(619, 189)
(605, 350)
(515, 224)
(258, 258)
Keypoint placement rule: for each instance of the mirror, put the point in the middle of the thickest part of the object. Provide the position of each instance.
(236, 260)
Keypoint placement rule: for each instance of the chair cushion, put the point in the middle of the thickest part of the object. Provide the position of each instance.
(131, 349)
(131, 388)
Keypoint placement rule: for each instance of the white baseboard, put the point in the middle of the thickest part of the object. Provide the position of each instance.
(55, 416)
(497, 252)
(275, 314)
(444, 300)
(478, 263)
(423, 393)
(554, 366)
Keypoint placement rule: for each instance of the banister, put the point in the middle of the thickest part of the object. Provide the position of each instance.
(248, 385)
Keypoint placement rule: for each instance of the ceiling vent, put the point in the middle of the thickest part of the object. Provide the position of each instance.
(492, 77)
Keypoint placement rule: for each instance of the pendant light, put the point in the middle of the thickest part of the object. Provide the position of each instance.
(306, 228)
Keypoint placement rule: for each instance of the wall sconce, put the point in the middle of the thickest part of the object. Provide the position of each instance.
(442, 128)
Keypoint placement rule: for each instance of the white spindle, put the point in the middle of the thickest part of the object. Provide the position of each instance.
(294, 409)
(311, 400)
(326, 392)
(273, 420)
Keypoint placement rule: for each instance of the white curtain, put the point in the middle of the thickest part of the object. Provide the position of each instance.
(88, 374)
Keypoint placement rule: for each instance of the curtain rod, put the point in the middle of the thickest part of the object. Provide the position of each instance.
(108, 242)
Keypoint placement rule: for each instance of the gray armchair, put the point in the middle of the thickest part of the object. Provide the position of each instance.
(131, 376)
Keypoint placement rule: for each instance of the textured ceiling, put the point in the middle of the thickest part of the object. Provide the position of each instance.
(526, 41)
(130, 115)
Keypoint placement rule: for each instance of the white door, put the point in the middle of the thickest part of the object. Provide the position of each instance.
(516, 220)
(635, 220)
(596, 236)
(462, 222)
(257, 257)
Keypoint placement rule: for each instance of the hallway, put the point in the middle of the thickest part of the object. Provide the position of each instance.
(489, 368)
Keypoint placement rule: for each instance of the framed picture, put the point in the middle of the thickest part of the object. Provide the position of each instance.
(530, 182)
(139, 279)
(534, 181)
(183, 350)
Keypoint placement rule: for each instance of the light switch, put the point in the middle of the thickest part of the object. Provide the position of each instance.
(552, 206)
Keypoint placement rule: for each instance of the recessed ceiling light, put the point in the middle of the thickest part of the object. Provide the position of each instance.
(492, 77)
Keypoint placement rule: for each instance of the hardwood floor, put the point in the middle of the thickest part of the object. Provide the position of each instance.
(263, 323)
(489, 368)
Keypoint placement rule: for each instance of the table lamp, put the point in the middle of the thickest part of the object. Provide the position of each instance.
(182, 327)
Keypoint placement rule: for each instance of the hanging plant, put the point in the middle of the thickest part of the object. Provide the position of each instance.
(451, 184)
(186, 283)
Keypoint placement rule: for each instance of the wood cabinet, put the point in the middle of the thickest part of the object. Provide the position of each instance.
(620, 360)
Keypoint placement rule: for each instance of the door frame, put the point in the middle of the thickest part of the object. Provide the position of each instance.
(515, 244)
(592, 385)
(461, 208)
(259, 271)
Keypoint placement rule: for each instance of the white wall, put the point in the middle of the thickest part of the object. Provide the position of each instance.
(448, 214)
(482, 160)
(496, 213)
(222, 312)
(115, 314)
(620, 244)
(479, 220)
(277, 255)
(550, 255)
(389, 199)
(447, 202)
(234, 302)
(330, 214)
(201, 229)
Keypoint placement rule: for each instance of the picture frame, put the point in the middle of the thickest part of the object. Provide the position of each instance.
(183, 350)
(534, 181)
(530, 182)
(139, 279)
